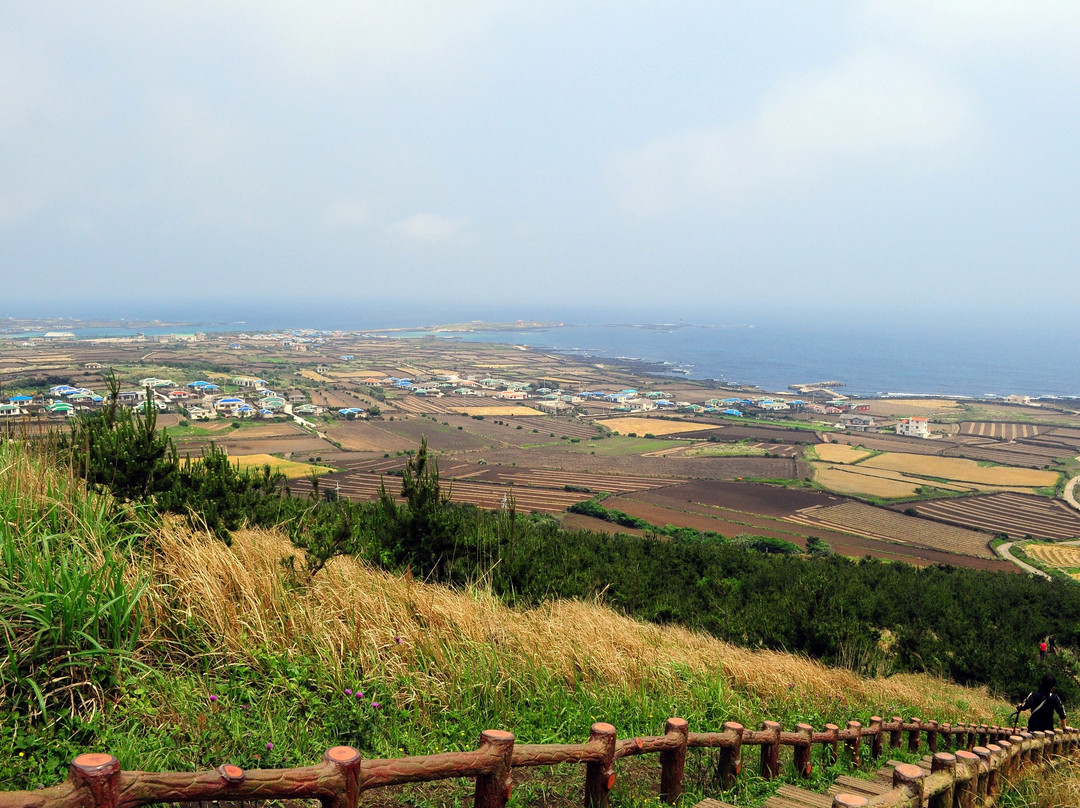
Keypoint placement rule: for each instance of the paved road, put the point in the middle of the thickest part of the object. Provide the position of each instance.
(1069, 494)
(1003, 551)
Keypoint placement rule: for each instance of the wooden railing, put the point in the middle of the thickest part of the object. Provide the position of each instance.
(983, 754)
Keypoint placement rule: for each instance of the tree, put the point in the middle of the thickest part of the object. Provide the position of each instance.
(421, 533)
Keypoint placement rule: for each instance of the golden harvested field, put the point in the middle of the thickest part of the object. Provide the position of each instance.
(653, 426)
(289, 468)
(847, 480)
(896, 476)
(903, 407)
(315, 377)
(954, 468)
(840, 453)
(1056, 555)
(509, 409)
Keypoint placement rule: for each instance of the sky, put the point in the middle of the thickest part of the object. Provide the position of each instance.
(832, 158)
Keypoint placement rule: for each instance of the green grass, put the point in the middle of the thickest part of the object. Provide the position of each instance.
(68, 611)
(728, 450)
(618, 446)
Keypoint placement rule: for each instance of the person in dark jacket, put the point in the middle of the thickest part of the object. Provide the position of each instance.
(1043, 703)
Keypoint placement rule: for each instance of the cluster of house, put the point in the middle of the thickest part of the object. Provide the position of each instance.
(556, 400)
(199, 400)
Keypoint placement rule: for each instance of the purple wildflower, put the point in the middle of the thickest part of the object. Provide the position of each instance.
(376, 706)
(213, 697)
(359, 694)
(269, 745)
(348, 692)
(397, 640)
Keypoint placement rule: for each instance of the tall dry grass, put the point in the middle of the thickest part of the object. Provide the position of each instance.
(426, 641)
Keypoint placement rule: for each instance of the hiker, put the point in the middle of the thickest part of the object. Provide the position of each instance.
(1050, 644)
(1042, 650)
(1043, 703)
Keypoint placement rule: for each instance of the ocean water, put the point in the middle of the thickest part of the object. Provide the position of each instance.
(943, 355)
(870, 360)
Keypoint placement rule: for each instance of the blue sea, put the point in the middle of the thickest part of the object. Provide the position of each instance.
(928, 355)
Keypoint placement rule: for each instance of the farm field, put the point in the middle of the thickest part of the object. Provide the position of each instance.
(732, 450)
(998, 430)
(1062, 556)
(906, 407)
(669, 506)
(855, 482)
(840, 453)
(892, 526)
(498, 410)
(961, 470)
(482, 494)
(1018, 515)
(289, 468)
(651, 426)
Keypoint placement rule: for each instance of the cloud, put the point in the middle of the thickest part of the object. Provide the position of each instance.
(873, 110)
(429, 228)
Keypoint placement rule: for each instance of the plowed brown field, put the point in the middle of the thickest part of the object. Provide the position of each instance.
(1015, 514)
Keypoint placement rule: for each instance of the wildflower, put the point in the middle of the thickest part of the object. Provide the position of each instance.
(213, 697)
(376, 706)
(348, 692)
(397, 640)
(269, 745)
(359, 694)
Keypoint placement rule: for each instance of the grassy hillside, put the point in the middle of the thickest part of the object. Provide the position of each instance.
(174, 651)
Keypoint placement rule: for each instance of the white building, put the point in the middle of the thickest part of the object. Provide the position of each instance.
(914, 427)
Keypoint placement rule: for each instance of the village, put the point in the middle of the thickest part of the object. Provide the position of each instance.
(240, 396)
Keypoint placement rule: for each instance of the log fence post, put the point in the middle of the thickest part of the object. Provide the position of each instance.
(853, 743)
(984, 771)
(1006, 760)
(97, 775)
(932, 736)
(673, 761)
(970, 736)
(729, 763)
(944, 762)
(832, 750)
(600, 775)
(984, 735)
(1028, 746)
(849, 801)
(894, 731)
(878, 730)
(347, 762)
(996, 761)
(770, 750)
(911, 778)
(945, 733)
(967, 788)
(801, 752)
(913, 737)
(493, 789)
(1038, 752)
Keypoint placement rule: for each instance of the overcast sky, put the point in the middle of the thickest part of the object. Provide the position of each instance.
(721, 155)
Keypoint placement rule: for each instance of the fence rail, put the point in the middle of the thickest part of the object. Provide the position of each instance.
(983, 754)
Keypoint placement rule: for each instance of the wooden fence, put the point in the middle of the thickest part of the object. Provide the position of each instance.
(983, 754)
